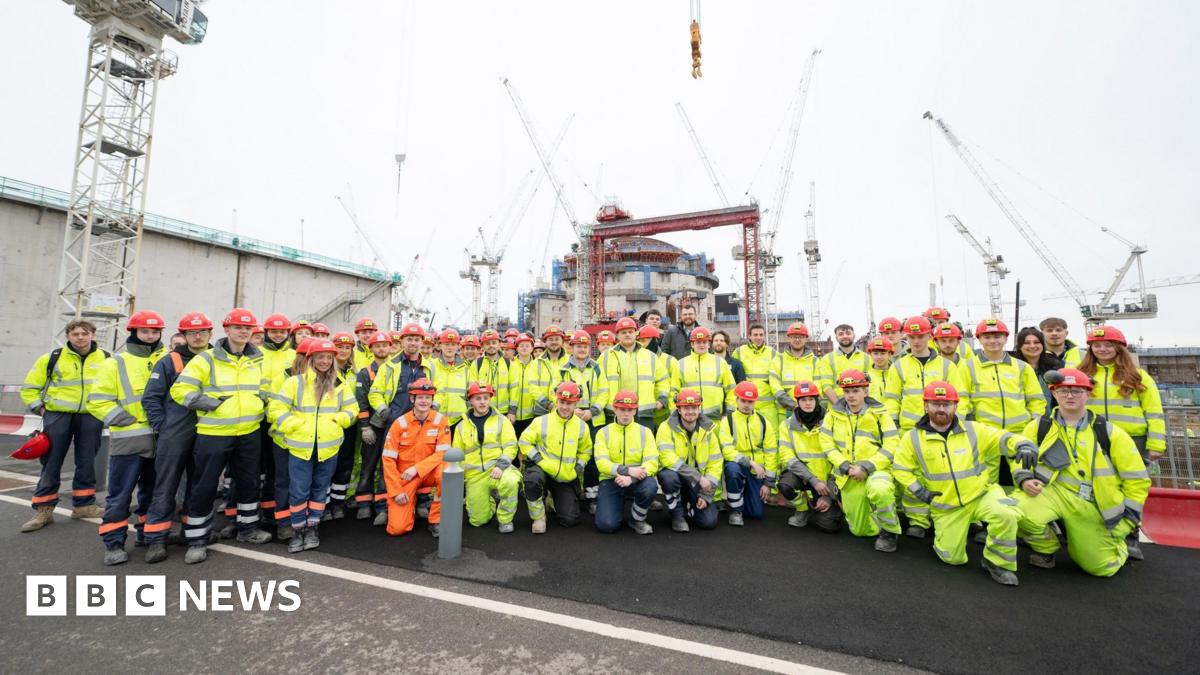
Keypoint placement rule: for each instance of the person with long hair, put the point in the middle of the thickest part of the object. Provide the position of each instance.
(1127, 396)
(1030, 347)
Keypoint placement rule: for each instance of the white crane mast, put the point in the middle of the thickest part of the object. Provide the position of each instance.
(812, 255)
(994, 264)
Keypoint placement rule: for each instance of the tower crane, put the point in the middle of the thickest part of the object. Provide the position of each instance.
(812, 255)
(1165, 282)
(473, 275)
(1145, 308)
(126, 59)
(708, 167)
(994, 264)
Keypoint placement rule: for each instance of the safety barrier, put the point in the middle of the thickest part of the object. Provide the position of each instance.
(1180, 466)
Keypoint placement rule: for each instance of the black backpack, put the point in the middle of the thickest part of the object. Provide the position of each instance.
(1099, 428)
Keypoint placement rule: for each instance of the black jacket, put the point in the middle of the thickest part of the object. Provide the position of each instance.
(676, 341)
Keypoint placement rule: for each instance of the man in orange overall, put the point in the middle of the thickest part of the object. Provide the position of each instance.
(412, 460)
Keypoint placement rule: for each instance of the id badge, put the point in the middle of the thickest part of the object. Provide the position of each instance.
(1085, 492)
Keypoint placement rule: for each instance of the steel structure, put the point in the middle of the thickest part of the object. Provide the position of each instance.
(994, 264)
(126, 59)
(812, 256)
(1165, 282)
(473, 275)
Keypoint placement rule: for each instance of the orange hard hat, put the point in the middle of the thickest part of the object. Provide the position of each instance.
(379, 338)
(477, 388)
(581, 338)
(449, 335)
(365, 324)
(342, 338)
(648, 332)
(523, 337)
(937, 313)
(489, 335)
(1068, 377)
(625, 323)
(700, 334)
(320, 346)
(605, 336)
(422, 386)
(552, 330)
(411, 329)
(145, 319)
(319, 329)
(302, 323)
(470, 341)
(947, 330)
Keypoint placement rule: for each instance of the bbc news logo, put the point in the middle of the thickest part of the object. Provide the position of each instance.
(96, 595)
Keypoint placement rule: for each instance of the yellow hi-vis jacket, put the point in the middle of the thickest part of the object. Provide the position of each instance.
(451, 381)
(560, 362)
(304, 424)
(749, 438)
(67, 388)
(904, 387)
(867, 438)
(495, 373)
(1005, 394)
(528, 388)
(788, 370)
(1071, 355)
(235, 380)
(621, 447)
(711, 377)
(593, 387)
(757, 362)
(496, 447)
(700, 450)
(1140, 415)
(956, 466)
(560, 447)
(878, 379)
(639, 370)
(831, 365)
(275, 361)
(800, 451)
(1072, 457)
(116, 399)
(362, 356)
(387, 380)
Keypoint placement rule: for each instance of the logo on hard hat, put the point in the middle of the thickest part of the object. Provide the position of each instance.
(939, 391)
(1099, 332)
(914, 326)
(846, 380)
(195, 322)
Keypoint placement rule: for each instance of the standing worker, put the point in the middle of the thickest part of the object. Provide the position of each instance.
(555, 447)
(555, 355)
(278, 356)
(677, 340)
(706, 374)
(389, 390)
(413, 458)
(450, 378)
(940, 316)
(880, 349)
(57, 388)
(528, 385)
(346, 371)
(804, 470)
(370, 491)
(890, 328)
(757, 356)
(116, 401)
(489, 448)
(627, 459)
(792, 366)
(845, 355)
(1055, 331)
(631, 367)
(492, 369)
(691, 463)
(364, 330)
(720, 347)
(751, 448)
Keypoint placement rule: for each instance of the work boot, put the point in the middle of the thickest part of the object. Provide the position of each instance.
(139, 540)
(363, 513)
(284, 532)
(296, 543)
(886, 543)
(798, 519)
(915, 531)
(539, 526)
(42, 516)
(380, 519)
(227, 532)
(311, 540)
(506, 528)
(195, 554)
(176, 538)
(422, 510)
(156, 553)
(641, 527)
(999, 574)
(592, 507)
(679, 524)
(326, 516)
(657, 506)
(337, 512)
(1135, 547)
(1042, 560)
(89, 511)
(736, 518)
(115, 555)
(255, 536)
(435, 529)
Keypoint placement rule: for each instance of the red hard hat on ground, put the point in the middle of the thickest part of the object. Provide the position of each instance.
(688, 397)
(449, 335)
(991, 326)
(797, 328)
(937, 314)
(947, 330)
(276, 322)
(239, 317)
(379, 338)
(477, 388)
(917, 325)
(342, 338)
(700, 334)
(625, 400)
(411, 329)
(320, 346)
(302, 323)
(1068, 377)
(747, 391)
(805, 389)
(423, 387)
(37, 445)
(941, 391)
(568, 391)
(581, 338)
(146, 319)
(889, 324)
(1106, 334)
(551, 331)
(321, 330)
(853, 378)
(648, 332)
(365, 324)
(880, 344)
(625, 323)
(194, 321)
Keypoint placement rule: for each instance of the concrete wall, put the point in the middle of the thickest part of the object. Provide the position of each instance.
(177, 275)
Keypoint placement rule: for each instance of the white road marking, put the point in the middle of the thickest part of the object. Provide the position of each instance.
(18, 476)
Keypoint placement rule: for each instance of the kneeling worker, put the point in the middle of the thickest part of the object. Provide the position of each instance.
(691, 461)
(555, 448)
(803, 467)
(413, 455)
(627, 459)
(489, 446)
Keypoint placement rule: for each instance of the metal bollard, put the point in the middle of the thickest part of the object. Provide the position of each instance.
(450, 537)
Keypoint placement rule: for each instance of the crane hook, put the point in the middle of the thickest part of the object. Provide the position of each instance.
(695, 49)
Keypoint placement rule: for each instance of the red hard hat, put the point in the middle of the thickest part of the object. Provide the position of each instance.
(395, 335)
(422, 386)
(1106, 334)
(379, 338)
(551, 331)
(303, 346)
(37, 445)
(538, 344)
(688, 397)
(581, 338)
(625, 323)
(239, 317)
(489, 335)
(320, 346)
(1070, 377)
(797, 328)
(889, 324)
(342, 338)
(449, 335)
(145, 319)
(523, 337)
(939, 313)
(941, 391)
(700, 334)
(320, 329)
(194, 321)
(605, 336)
(365, 324)
(511, 333)
(947, 330)
(508, 343)
(747, 391)
(411, 329)
(277, 322)
(428, 338)
(568, 391)
(917, 325)
(257, 330)
(804, 389)
(480, 388)
(648, 332)
(991, 326)
(470, 341)
(625, 400)
(853, 378)
(302, 323)
(881, 344)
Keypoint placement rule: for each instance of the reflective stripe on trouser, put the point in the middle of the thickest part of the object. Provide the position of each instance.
(995, 509)
(870, 505)
(308, 484)
(67, 429)
(370, 486)
(402, 518)
(1093, 547)
(681, 500)
(914, 509)
(268, 500)
(344, 468)
(126, 472)
(565, 495)
(172, 458)
(486, 496)
(610, 505)
(742, 490)
(279, 485)
(212, 455)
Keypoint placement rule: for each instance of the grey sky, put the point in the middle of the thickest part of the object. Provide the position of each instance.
(287, 102)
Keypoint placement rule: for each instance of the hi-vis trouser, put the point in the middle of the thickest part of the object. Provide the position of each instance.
(1097, 550)
(914, 509)
(482, 492)
(952, 526)
(870, 505)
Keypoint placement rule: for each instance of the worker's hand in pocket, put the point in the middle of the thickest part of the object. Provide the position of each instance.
(759, 472)
(623, 481)
(1033, 487)
(402, 498)
(408, 474)
(496, 473)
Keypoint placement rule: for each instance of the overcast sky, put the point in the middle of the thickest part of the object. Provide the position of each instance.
(1083, 112)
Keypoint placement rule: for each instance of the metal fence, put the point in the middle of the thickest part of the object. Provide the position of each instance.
(1180, 467)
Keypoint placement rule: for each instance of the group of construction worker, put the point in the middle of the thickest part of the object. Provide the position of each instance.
(909, 426)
